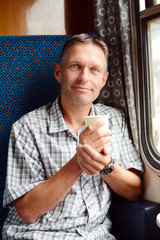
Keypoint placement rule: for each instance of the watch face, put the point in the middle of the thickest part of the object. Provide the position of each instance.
(108, 169)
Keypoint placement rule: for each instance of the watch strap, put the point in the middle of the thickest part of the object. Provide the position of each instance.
(108, 169)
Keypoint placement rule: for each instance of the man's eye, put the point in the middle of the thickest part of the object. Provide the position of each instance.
(74, 66)
(94, 69)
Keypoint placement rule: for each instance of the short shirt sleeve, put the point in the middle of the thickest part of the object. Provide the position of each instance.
(124, 151)
(24, 166)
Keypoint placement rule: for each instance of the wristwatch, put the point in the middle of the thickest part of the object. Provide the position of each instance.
(108, 169)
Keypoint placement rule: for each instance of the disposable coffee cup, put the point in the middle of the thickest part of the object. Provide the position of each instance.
(90, 119)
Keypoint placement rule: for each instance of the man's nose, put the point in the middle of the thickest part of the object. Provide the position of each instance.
(84, 75)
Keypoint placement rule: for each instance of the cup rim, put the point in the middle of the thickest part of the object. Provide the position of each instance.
(96, 116)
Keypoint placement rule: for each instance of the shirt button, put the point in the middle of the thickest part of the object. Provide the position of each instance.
(86, 187)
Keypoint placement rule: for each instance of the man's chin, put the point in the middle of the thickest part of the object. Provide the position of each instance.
(82, 101)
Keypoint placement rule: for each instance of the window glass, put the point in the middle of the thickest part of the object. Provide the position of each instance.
(155, 2)
(153, 31)
(143, 4)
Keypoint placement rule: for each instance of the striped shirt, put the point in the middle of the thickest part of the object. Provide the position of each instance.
(40, 144)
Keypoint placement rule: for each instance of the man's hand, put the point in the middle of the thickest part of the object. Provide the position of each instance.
(96, 136)
(90, 161)
(93, 154)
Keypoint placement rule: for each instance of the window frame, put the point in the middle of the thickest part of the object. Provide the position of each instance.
(148, 150)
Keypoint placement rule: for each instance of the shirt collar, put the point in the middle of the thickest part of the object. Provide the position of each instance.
(56, 120)
(57, 123)
(92, 112)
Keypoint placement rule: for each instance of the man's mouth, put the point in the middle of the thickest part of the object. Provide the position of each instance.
(81, 88)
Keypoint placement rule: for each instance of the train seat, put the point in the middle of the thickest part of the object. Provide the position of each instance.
(27, 82)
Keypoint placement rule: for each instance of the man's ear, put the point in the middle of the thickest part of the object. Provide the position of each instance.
(105, 78)
(57, 72)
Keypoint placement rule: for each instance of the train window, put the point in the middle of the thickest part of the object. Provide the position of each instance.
(149, 82)
(153, 34)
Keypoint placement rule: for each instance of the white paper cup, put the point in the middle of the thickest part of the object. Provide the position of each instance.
(90, 119)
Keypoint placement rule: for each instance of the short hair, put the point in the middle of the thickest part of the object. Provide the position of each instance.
(85, 38)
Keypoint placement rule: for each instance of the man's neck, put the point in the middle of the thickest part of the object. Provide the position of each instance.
(74, 115)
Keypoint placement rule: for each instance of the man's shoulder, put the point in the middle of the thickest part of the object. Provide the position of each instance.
(34, 116)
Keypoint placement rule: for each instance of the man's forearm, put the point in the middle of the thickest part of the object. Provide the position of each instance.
(48, 194)
(126, 183)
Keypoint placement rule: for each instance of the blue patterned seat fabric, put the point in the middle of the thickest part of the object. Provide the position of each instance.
(27, 82)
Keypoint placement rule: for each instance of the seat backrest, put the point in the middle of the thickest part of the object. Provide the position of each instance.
(26, 82)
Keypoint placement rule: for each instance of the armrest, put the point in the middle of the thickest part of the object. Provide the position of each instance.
(134, 220)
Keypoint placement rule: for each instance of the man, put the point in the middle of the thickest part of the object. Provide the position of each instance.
(60, 174)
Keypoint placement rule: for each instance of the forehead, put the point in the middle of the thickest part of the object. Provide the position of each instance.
(88, 51)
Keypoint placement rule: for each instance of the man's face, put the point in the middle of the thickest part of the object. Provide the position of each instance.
(82, 74)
